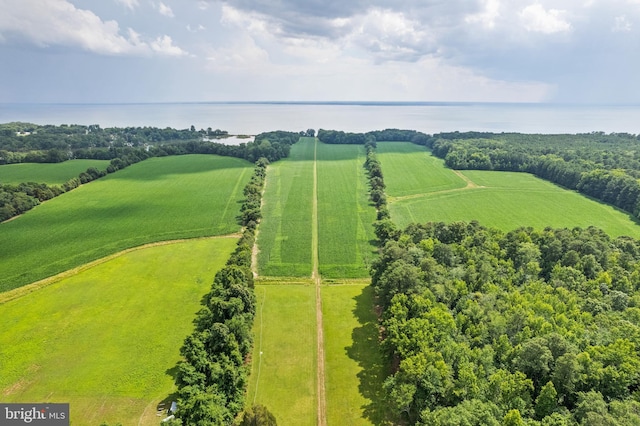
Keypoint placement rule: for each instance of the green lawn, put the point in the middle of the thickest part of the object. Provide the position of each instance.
(504, 200)
(107, 339)
(284, 238)
(158, 199)
(355, 368)
(411, 169)
(345, 216)
(283, 376)
(52, 174)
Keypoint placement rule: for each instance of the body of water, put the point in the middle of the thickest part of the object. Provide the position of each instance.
(253, 118)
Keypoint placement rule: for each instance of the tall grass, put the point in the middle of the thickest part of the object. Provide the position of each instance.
(51, 174)
(107, 340)
(345, 216)
(155, 200)
(284, 235)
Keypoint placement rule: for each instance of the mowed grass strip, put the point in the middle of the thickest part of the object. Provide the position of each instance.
(508, 200)
(51, 174)
(283, 370)
(155, 200)
(354, 365)
(107, 340)
(284, 235)
(410, 169)
(345, 216)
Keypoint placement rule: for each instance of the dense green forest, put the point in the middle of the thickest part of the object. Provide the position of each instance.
(486, 328)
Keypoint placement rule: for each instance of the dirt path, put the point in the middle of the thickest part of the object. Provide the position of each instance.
(26, 289)
(254, 249)
(470, 185)
(322, 404)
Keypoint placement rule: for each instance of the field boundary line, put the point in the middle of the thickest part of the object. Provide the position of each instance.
(470, 185)
(255, 250)
(16, 293)
(322, 402)
(264, 299)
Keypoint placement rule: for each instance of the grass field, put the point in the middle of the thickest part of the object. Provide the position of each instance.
(504, 200)
(353, 363)
(411, 169)
(283, 376)
(51, 174)
(106, 340)
(284, 238)
(345, 216)
(158, 199)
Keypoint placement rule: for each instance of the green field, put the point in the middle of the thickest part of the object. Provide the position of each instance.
(344, 214)
(504, 200)
(283, 375)
(410, 169)
(52, 174)
(158, 199)
(284, 238)
(354, 365)
(106, 340)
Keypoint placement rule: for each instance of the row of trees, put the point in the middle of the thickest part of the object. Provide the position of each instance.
(606, 167)
(391, 135)
(525, 327)
(212, 377)
(54, 144)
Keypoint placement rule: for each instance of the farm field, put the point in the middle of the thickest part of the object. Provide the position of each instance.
(354, 365)
(107, 339)
(284, 238)
(345, 215)
(411, 169)
(283, 377)
(504, 200)
(158, 199)
(49, 173)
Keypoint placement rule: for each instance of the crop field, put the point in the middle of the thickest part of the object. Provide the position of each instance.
(107, 340)
(283, 376)
(51, 174)
(353, 362)
(155, 200)
(345, 215)
(410, 169)
(284, 238)
(508, 200)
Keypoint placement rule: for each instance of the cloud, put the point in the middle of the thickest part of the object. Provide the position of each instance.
(131, 4)
(164, 45)
(165, 10)
(47, 23)
(535, 18)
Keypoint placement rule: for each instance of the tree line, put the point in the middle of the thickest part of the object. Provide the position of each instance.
(528, 327)
(603, 166)
(213, 375)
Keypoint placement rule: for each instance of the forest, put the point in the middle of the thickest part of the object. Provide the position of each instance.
(487, 328)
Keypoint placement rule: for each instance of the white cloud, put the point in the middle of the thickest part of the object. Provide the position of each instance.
(165, 10)
(243, 55)
(46, 23)
(487, 18)
(164, 45)
(621, 24)
(58, 22)
(131, 4)
(536, 19)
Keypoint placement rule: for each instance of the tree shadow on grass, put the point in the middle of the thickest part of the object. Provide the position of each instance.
(366, 351)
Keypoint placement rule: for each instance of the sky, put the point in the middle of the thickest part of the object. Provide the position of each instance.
(111, 51)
